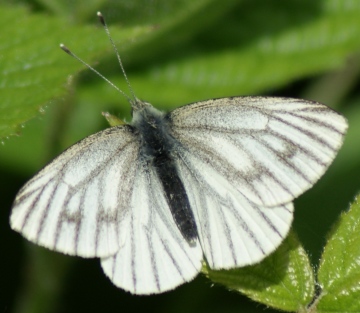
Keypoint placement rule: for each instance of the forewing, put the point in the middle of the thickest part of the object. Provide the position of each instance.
(233, 231)
(153, 255)
(271, 149)
(75, 203)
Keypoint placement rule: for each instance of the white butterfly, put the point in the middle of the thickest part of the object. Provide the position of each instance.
(213, 179)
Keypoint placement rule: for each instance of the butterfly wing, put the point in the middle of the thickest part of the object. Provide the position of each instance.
(75, 204)
(242, 161)
(271, 149)
(154, 256)
(233, 231)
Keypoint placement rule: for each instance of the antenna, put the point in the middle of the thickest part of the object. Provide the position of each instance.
(68, 51)
(103, 22)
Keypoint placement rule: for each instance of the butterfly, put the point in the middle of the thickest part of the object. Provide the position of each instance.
(211, 180)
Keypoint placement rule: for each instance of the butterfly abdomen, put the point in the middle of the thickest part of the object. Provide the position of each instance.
(156, 144)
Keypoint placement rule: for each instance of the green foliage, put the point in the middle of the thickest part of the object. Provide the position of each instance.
(285, 279)
(177, 52)
(33, 70)
(339, 272)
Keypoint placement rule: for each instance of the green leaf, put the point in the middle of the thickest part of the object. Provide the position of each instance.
(339, 271)
(284, 280)
(34, 70)
(276, 44)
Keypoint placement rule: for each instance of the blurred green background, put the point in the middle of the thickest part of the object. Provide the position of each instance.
(174, 52)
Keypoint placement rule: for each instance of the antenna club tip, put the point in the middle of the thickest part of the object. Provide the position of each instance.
(63, 47)
(101, 18)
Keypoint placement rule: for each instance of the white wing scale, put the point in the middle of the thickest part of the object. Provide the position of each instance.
(154, 256)
(271, 149)
(233, 231)
(72, 205)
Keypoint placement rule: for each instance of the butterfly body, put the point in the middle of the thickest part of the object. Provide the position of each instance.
(158, 149)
